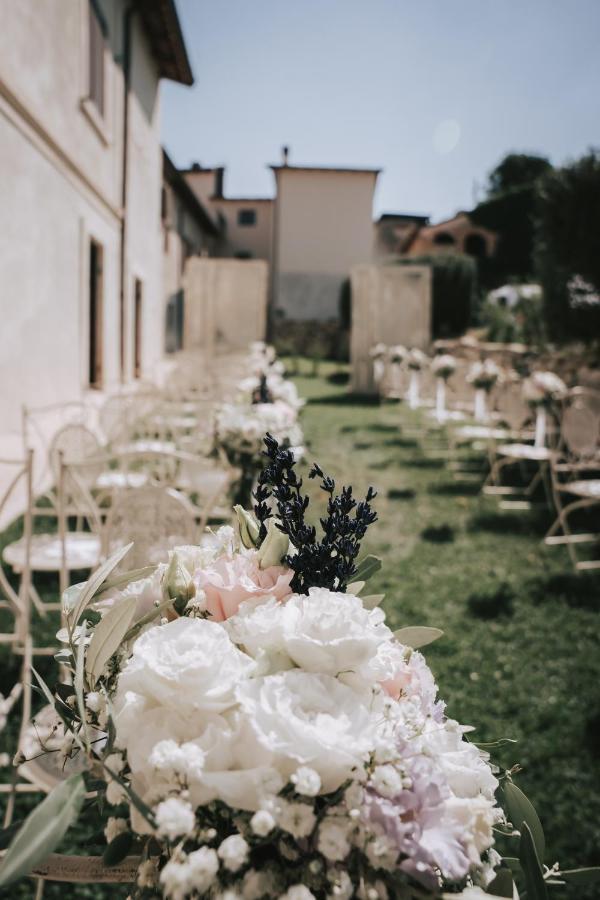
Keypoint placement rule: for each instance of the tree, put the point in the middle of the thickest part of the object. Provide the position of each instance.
(516, 170)
(568, 245)
(509, 211)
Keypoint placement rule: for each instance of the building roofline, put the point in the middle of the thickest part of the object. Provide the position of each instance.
(244, 199)
(350, 170)
(162, 26)
(408, 217)
(175, 178)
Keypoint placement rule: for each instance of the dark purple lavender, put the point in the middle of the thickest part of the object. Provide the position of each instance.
(330, 561)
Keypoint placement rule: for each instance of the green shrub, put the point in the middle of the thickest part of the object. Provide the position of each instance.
(454, 289)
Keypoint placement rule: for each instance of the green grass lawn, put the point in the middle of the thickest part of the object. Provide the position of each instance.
(520, 657)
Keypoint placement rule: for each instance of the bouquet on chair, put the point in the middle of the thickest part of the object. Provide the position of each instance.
(253, 728)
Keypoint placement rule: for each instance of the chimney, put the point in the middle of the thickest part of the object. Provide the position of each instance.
(218, 186)
(285, 152)
(196, 167)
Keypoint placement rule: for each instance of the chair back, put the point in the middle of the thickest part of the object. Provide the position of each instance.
(74, 443)
(156, 519)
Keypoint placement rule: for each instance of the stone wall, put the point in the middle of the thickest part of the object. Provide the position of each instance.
(225, 303)
(392, 305)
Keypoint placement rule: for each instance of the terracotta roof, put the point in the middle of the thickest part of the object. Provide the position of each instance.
(161, 23)
(243, 199)
(278, 168)
(403, 217)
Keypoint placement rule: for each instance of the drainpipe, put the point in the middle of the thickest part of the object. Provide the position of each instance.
(127, 18)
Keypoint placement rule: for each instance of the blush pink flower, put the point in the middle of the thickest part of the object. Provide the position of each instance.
(227, 582)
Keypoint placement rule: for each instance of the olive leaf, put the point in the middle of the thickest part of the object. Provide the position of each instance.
(108, 635)
(95, 583)
(520, 810)
(416, 636)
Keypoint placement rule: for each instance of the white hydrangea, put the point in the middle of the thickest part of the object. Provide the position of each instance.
(296, 818)
(114, 827)
(306, 781)
(333, 839)
(387, 781)
(174, 818)
(262, 822)
(233, 851)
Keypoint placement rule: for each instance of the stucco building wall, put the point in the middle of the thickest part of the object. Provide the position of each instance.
(323, 226)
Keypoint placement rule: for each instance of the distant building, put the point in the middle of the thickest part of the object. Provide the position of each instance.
(456, 235)
(189, 229)
(81, 264)
(319, 224)
(394, 233)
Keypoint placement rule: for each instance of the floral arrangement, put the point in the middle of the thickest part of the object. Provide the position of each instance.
(416, 359)
(378, 351)
(484, 374)
(249, 726)
(397, 354)
(543, 388)
(443, 365)
(378, 354)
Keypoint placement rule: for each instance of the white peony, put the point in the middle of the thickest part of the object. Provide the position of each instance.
(300, 718)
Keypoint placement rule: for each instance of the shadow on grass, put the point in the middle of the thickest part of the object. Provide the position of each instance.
(579, 591)
(454, 489)
(438, 534)
(493, 603)
(423, 462)
(382, 428)
(528, 522)
(382, 464)
(343, 400)
(349, 429)
(338, 378)
(401, 494)
(401, 442)
(362, 445)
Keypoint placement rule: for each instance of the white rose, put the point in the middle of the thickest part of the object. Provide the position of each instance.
(188, 665)
(332, 632)
(299, 718)
(464, 765)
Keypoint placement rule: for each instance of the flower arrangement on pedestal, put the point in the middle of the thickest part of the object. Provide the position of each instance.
(378, 353)
(443, 366)
(255, 730)
(542, 390)
(416, 361)
(483, 375)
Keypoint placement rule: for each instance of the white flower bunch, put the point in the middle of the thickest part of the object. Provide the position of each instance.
(240, 428)
(443, 365)
(416, 359)
(543, 388)
(378, 351)
(397, 354)
(484, 374)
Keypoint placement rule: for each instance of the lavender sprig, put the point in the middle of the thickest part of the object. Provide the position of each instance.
(330, 561)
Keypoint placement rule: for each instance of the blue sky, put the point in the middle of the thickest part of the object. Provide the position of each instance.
(434, 92)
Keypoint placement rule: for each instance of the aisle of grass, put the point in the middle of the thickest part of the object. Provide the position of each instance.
(520, 657)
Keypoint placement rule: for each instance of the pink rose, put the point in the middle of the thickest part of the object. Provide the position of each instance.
(227, 582)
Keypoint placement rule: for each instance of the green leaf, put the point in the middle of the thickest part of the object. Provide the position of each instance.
(96, 582)
(520, 811)
(367, 567)
(355, 588)
(502, 885)
(118, 849)
(43, 829)
(127, 578)
(512, 862)
(372, 600)
(531, 865)
(108, 635)
(581, 876)
(52, 700)
(78, 684)
(416, 636)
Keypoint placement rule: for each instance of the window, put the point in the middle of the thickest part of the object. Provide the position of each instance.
(137, 329)
(247, 217)
(475, 246)
(97, 35)
(95, 316)
(444, 238)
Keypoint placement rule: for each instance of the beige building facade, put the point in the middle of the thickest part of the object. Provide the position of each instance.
(323, 226)
(80, 207)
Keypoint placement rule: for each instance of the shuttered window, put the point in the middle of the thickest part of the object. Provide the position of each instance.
(97, 31)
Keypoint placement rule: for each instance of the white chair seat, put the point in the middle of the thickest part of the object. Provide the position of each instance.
(183, 422)
(482, 433)
(116, 479)
(148, 446)
(583, 488)
(82, 552)
(525, 451)
(447, 415)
